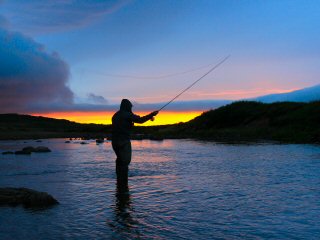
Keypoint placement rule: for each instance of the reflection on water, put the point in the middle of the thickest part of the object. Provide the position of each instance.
(124, 225)
(178, 189)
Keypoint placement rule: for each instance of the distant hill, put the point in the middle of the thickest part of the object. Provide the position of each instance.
(16, 126)
(249, 120)
(302, 95)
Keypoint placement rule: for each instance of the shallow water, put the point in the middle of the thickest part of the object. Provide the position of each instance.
(178, 189)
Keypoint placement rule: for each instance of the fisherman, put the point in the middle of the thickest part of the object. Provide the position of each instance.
(122, 123)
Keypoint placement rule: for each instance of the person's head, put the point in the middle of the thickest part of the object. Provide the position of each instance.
(126, 105)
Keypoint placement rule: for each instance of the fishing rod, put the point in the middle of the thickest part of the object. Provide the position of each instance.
(215, 67)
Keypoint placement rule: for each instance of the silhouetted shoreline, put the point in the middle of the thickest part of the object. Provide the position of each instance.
(245, 121)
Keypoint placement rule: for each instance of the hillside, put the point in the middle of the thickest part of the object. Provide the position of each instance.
(239, 121)
(15, 126)
(252, 121)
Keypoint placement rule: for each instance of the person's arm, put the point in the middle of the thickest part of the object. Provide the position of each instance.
(138, 119)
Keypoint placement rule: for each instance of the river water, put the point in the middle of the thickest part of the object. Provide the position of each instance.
(178, 189)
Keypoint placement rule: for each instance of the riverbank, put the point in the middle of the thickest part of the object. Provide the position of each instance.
(240, 121)
(288, 122)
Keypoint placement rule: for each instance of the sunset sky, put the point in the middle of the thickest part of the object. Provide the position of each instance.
(77, 59)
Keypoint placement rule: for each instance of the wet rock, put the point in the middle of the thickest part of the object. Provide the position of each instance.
(7, 152)
(86, 138)
(100, 140)
(67, 142)
(42, 149)
(26, 197)
(28, 149)
(83, 143)
(21, 152)
(156, 138)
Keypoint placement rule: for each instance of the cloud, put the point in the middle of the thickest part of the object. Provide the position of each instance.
(198, 105)
(29, 75)
(301, 95)
(40, 16)
(195, 105)
(34, 80)
(95, 99)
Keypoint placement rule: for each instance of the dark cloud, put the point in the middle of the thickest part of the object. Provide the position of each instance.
(29, 75)
(40, 16)
(95, 99)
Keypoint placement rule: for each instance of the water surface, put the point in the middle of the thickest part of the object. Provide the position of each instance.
(178, 189)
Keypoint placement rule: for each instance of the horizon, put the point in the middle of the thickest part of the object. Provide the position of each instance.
(183, 113)
(169, 116)
(165, 118)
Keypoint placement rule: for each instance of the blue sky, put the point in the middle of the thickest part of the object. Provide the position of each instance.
(109, 50)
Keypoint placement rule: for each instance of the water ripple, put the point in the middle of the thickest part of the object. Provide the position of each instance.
(177, 190)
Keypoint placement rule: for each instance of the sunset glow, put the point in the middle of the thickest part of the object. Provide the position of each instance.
(165, 117)
(149, 52)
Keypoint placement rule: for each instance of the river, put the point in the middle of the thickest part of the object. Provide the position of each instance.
(178, 189)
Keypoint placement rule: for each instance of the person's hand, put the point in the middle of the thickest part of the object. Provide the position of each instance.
(154, 113)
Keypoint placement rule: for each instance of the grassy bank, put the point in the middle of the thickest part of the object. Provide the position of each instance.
(14, 126)
(254, 121)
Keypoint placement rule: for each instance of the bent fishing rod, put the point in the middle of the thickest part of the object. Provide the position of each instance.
(194, 83)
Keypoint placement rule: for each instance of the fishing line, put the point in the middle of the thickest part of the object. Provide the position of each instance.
(149, 77)
(215, 67)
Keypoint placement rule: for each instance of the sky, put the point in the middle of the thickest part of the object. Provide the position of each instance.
(77, 59)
